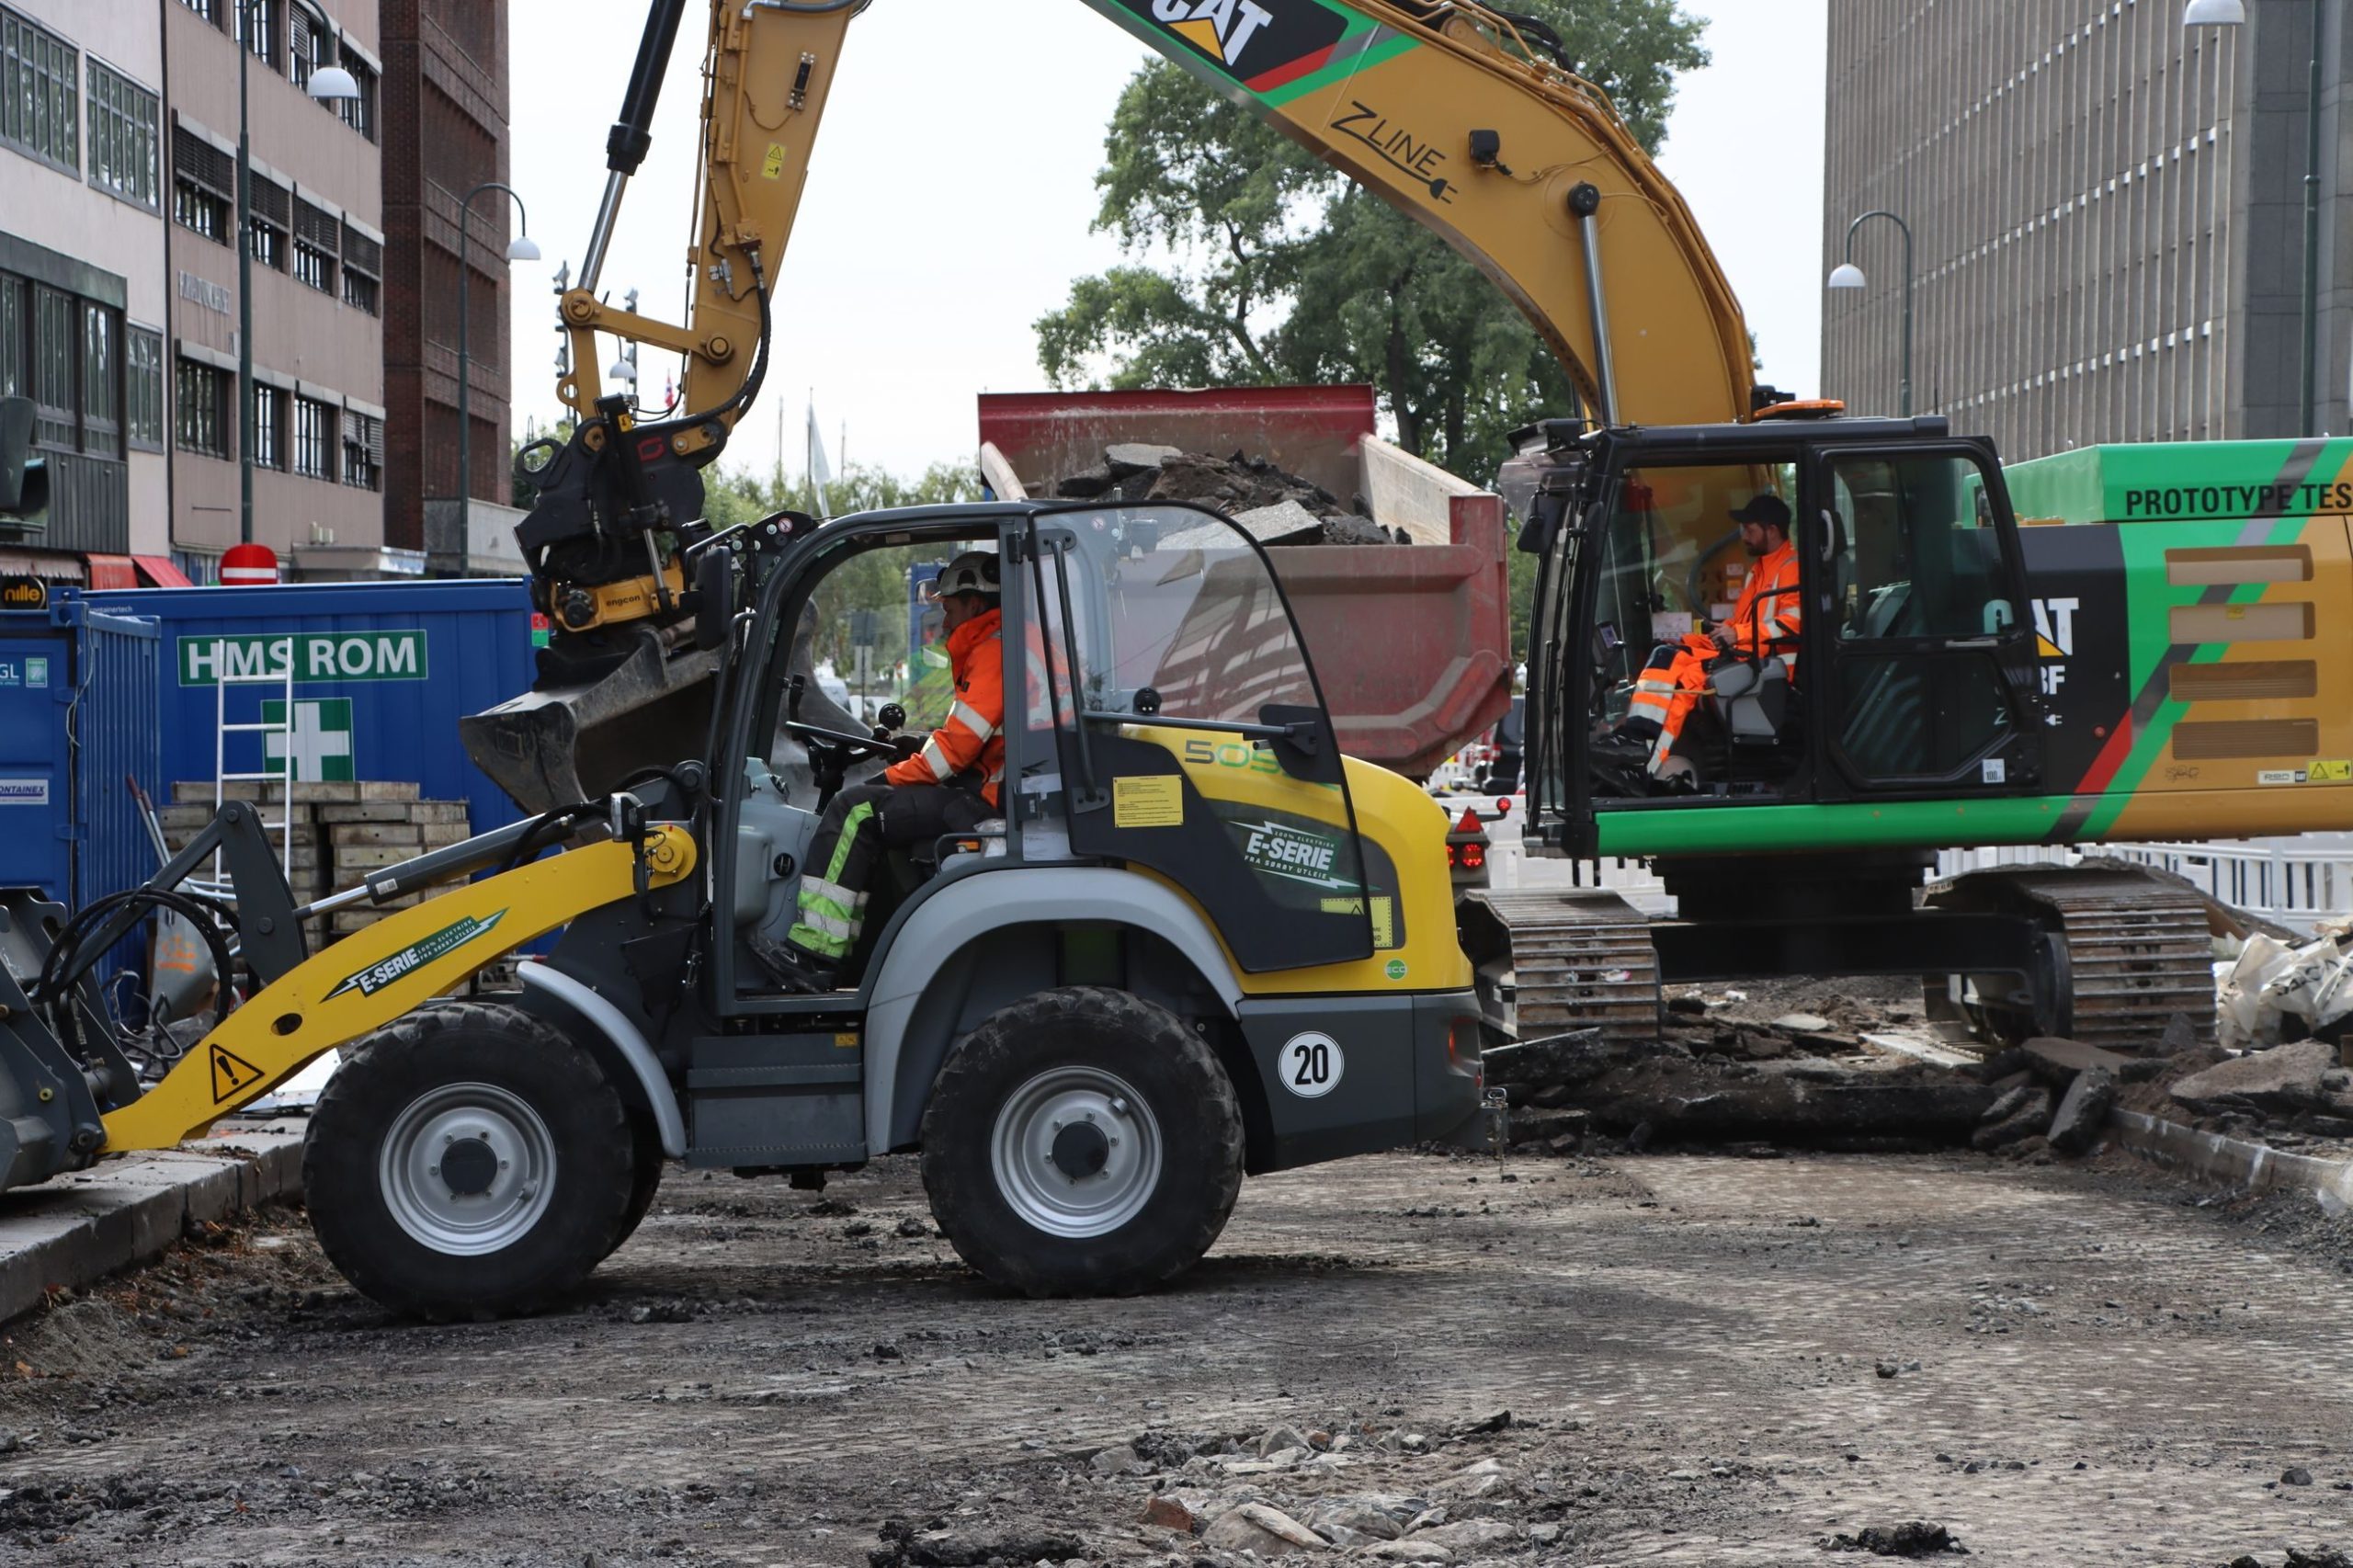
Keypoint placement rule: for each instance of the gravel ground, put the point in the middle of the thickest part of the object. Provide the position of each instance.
(1704, 1360)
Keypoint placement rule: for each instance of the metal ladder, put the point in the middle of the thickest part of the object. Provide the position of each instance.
(222, 776)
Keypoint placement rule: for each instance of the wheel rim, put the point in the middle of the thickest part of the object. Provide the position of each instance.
(468, 1169)
(1076, 1151)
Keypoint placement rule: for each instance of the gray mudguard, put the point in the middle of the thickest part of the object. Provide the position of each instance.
(1356, 1074)
(910, 1022)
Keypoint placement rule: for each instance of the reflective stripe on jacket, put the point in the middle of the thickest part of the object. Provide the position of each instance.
(971, 737)
(1767, 619)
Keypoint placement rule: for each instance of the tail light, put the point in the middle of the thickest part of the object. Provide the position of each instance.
(1503, 805)
(1472, 856)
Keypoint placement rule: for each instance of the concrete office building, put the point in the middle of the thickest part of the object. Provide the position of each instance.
(83, 289)
(317, 437)
(445, 134)
(2108, 210)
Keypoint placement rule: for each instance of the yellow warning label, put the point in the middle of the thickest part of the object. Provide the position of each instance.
(1384, 917)
(846, 1042)
(2235, 612)
(1154, 802)
(230, 1073)
(2330, 770)
(772, 167)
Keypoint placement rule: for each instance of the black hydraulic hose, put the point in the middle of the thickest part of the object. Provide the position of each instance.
(64, 966)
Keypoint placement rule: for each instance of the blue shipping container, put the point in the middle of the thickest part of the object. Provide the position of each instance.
(79, 692)
(383, 673)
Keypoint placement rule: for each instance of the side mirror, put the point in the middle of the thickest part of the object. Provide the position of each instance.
(24, 478)
(714, 598)
(1301, 751)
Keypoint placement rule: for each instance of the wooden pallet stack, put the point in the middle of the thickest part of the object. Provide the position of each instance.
(192, 809)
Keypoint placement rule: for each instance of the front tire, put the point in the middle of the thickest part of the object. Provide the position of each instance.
(468, 1161)
(1081, 1142)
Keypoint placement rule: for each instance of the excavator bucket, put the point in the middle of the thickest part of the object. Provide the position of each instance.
(643, 700)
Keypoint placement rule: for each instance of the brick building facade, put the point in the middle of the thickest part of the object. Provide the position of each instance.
(445, 133)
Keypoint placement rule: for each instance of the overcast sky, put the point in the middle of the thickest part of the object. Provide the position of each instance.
(949, 203)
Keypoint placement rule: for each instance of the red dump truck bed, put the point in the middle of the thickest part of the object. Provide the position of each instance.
(1411, 642)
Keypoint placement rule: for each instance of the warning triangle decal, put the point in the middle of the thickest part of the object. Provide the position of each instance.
(1202, 35)
(231, 1073)
(2047, 648)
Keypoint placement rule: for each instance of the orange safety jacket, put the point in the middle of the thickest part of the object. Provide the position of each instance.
(972, 737)
(1767, 619)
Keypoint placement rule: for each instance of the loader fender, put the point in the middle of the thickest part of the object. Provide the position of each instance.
(913, 1018)
(624, 1037)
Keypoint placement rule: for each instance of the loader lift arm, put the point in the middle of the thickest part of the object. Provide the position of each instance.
(1463, 117)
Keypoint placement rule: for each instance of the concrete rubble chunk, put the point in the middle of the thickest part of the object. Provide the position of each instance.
(1280, 1439)
(1126, 458)
(1801, 1023)
(2083, 1111)
(1285, 522)
(1119, 1460)
(1412, 1549)
(1167, 1512)
(2028, 1120)
(1254, 1527)
(2180, 1035)
(1362, 1517)
(1470, 1535)
(2285, 1079)
(2057, 1061)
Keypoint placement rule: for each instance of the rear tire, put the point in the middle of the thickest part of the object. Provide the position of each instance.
(468, 1161)
(1081, 1142)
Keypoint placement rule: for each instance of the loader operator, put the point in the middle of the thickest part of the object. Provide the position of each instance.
(1765, 621)
(948, 786)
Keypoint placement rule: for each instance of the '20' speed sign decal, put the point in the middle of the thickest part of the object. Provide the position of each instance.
(1310, 1065)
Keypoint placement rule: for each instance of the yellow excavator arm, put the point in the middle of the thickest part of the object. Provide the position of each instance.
(1456, 114)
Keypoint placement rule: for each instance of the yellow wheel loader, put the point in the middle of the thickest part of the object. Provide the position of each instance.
(1194, 942)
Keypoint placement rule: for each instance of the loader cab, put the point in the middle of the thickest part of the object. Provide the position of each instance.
(1160, 715)
(1910, 676)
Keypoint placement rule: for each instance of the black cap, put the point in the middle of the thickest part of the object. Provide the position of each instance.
(1767, 508)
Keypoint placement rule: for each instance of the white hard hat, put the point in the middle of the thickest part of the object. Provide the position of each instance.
(975, 572)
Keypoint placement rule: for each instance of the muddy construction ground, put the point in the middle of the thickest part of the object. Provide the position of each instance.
(1705, 1360)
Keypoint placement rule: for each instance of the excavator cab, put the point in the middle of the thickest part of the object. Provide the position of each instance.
(1911, 675)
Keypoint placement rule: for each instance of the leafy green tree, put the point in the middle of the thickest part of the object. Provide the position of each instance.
(1284, 270)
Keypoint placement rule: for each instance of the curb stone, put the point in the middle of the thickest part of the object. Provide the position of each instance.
(2237, 1162)
(77, 1228)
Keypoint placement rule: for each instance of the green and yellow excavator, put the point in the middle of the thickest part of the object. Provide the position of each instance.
(1198, 942)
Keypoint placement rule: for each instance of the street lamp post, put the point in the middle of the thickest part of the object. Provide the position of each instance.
(520, 248)
(1847, 275)
(329, 84)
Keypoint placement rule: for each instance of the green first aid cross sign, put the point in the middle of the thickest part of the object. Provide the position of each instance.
(320, 740)
(314, 656)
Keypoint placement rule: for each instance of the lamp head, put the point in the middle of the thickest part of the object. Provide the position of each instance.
(332, 83)
(2214, 14)
(522, 247)
(1847, 275)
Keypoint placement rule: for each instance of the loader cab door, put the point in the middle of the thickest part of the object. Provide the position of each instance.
(1173, 723)
(1919, 617)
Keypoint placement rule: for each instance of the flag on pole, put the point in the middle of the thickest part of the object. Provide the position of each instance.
(821, 473)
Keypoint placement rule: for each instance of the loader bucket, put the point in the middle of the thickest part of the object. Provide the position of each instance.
(640, 700)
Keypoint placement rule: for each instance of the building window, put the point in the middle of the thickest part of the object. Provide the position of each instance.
(363, 270)
(40, 99)
(56, 352)
(309, 45)
(312, 446)
(273, 206)
(209, 9)
(142, 388)
(202, 403)
(317, 234)
(126, 137)
(101, 382)
(360, 113)
(201, 570)
(12, 337)
(204, 186)
(363, 451)
(268, 434)
(261, 17)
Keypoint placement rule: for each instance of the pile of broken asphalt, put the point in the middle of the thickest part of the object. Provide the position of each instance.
(1717, 1075)
(1276, 506)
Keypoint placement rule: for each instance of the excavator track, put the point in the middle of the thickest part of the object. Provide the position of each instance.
(1575, 958)
(2137, 949)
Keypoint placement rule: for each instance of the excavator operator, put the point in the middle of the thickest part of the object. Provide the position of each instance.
(952, 782)
(1765, 622)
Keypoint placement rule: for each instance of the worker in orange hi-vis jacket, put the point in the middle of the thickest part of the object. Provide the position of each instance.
(1765, 622)
(955, 780)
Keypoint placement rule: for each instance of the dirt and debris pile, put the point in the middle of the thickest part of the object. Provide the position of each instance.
(1276, 506)
(1916, 1538)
